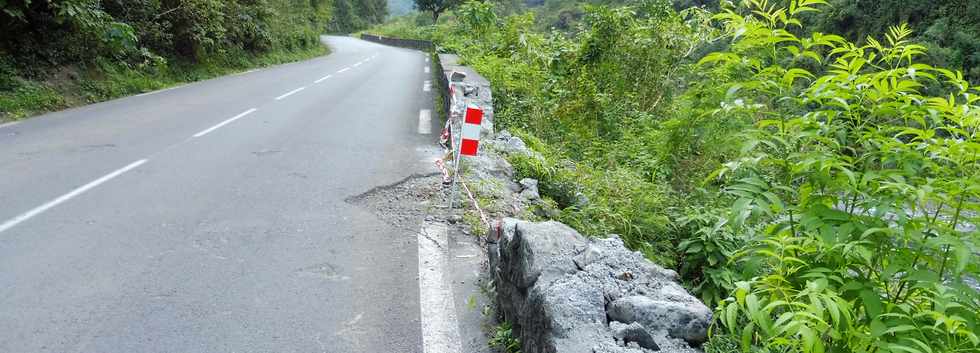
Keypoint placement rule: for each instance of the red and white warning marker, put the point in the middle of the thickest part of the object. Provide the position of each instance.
(470, 143)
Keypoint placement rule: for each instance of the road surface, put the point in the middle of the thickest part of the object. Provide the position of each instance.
(212, 217)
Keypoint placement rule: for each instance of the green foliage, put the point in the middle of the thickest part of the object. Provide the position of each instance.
(854, 191)
(435, 7)
(354, 15)
(706, 252)
(82, 31)
(122, 47)
(476, 17)
(23, 98)
(949, 28)
(504, 339)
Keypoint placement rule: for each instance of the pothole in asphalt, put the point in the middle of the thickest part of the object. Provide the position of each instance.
(407, 202)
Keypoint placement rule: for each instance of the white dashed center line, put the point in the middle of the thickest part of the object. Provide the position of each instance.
(342, 70)
(226, 122)
(61, 199)
(426, 69)
(358, 63)
(289, 93)
(425, 121)
(427, 86)
(323, 78)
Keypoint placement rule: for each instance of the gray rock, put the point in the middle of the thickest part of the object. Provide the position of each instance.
(539, 250)
(568, 315)
(581, 200)
(529, 189)
(515, 144)
(528, 183)
(530, 194)
(687, 321)
(509, 144)
(633, 333)
(558, 289)
(457, 76)
(590, 255)
(487, 166)
(545, 210)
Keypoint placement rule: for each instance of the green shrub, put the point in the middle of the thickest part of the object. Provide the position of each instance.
(504, 339)
(851, 191)
(25, 98)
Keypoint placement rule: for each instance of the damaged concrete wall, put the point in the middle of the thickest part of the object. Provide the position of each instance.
(468, 88)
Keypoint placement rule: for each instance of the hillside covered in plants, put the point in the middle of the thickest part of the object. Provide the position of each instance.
(55, 54)
(811, 174)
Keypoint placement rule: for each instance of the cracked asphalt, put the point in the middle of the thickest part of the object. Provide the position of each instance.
(214, 217)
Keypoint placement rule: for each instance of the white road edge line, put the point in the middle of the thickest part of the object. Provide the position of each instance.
(290, 93)
(342, 70)
(226, 122)
(9, 124)
(427, 86)
(158, 91)
(61, 199)
(425, 121)
(244, 72)
(323, 78)
(440, 331)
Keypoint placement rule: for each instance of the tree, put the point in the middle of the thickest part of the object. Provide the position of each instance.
(437, 7)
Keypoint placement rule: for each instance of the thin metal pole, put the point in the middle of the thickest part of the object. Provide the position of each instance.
(456, 163)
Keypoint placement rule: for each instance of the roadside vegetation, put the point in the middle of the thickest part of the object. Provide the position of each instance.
(63, 53)
(816, 182)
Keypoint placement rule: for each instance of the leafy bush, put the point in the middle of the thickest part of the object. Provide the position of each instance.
(854, 191)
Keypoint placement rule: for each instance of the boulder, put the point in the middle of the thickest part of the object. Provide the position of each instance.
(687, 321)
(558, 289)
(534, 250)
(634, 332)
(529, 189)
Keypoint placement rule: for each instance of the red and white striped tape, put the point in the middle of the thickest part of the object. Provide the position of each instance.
(470, 143)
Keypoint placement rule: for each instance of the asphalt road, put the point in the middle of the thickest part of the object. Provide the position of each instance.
(211, 217)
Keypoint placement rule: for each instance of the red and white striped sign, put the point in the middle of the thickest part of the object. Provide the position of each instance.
(471, 131)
